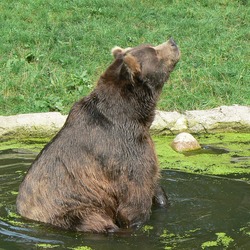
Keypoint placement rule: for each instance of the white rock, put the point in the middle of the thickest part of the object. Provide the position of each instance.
(169, 122)
(35, 123)
(222, 119)
(158, 123)
(184, 142)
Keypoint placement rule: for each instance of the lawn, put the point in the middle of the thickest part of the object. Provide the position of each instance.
(53, 52)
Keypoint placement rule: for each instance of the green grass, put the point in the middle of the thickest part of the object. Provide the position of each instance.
(53, 52)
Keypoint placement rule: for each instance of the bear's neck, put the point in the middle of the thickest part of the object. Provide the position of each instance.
(123, 105)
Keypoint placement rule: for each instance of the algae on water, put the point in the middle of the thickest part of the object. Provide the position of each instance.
(235, 162)
(32, 144)
(222, 240)
(46, 246)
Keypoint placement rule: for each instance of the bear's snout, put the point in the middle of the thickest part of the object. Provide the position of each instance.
(168, 52)
(172, 42)
(173, 46)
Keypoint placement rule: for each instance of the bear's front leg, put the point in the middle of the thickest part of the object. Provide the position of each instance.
(96, 222)
(134, 208)
(160, 198)
(131, 217)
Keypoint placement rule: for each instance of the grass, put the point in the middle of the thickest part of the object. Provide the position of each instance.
(53, 52)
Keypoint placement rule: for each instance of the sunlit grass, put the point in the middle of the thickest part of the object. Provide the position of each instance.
(53, 52)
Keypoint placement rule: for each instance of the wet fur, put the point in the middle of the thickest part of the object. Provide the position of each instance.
(100, 172)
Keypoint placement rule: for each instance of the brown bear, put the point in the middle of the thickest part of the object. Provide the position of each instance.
(100, 172)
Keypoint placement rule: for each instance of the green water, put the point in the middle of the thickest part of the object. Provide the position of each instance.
(206, 212)
(221, 154)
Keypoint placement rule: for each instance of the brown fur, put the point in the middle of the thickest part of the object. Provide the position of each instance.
(100, 172)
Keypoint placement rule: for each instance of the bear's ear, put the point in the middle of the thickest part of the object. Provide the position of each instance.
(132, 65)
(116, 51)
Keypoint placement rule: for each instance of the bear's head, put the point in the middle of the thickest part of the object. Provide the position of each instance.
(145, 64)
(132, 84)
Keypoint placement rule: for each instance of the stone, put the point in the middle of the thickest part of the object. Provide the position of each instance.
(31, 124)
(184, 142)
(169, 122)
(222, 119)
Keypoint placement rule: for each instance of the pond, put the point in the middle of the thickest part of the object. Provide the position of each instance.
(206, 212)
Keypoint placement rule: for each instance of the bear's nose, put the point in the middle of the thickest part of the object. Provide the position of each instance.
(172, 42)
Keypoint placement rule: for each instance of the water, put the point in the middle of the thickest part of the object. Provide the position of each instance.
(201, 207)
